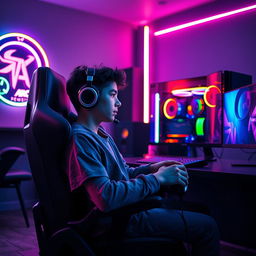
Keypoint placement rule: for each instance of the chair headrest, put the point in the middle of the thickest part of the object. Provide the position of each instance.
(47, 92)
(54, 95)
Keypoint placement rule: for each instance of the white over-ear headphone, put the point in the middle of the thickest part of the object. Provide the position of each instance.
(88, 94)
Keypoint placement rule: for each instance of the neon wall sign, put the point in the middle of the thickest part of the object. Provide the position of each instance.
(20, 56)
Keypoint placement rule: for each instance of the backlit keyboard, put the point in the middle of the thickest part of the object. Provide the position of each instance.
(187, 161)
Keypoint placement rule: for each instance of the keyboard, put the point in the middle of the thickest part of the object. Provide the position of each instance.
(189, 162)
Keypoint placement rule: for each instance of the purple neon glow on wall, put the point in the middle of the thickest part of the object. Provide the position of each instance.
(146, 76)
(157, 117)
(204, 20)
(179, 27)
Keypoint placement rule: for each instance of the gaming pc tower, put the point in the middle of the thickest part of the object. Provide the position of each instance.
(189, 111)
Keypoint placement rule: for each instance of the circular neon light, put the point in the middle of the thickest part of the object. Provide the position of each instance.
(181, 93)
(20, 56)
(170, 108)
(199, 91)
(210, 96)
(197, 106)
(187, 92)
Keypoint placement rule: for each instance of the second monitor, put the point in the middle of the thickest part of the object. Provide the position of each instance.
(240, 117)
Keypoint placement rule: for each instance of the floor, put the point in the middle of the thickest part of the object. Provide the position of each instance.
(15, 238)
(18, 240)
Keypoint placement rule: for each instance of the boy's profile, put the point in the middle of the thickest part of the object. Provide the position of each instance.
(101, 177)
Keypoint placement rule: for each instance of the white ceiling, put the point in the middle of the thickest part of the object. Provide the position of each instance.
(137, 12)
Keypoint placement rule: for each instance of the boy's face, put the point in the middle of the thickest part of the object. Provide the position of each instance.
(107, 107)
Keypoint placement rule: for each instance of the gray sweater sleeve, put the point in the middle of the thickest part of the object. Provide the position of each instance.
(109, 193)
(133, 172)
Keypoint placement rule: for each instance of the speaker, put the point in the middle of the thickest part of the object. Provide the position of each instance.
(230, 80)
(132, 138)
(131, 97)
(233, 80)
(88, 94)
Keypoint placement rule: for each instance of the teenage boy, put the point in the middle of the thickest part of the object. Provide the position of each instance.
(98, 171)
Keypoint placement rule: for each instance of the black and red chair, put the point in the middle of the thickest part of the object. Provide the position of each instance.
(47, 133)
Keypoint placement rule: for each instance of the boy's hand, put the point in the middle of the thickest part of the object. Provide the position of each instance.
(172, 175)
(155, 167)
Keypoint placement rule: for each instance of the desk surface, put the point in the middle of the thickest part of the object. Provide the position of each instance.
(241, 167)
(229, 193)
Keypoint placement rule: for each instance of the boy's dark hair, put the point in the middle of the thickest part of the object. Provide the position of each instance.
(102, 76)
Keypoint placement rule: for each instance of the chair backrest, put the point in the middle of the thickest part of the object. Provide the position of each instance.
(47, 135)
(8, 157)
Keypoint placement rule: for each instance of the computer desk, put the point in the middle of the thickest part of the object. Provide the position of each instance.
(230, 194)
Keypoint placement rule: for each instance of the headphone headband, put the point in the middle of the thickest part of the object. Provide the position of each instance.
(90, 73)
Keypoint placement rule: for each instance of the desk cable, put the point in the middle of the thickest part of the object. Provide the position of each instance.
(181, 213)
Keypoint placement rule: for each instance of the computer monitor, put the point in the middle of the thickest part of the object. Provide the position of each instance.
(187, 111)
(240, 117)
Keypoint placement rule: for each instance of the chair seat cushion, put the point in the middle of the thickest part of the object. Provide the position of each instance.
(17, 176)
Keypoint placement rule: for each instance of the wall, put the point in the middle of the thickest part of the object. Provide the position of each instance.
(227, 44)
(70, 38)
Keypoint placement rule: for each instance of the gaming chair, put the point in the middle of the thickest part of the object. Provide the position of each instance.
(47, 133)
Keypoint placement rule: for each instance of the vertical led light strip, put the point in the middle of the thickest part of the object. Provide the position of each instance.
(146, 76)
(157, 119)
(196, 22)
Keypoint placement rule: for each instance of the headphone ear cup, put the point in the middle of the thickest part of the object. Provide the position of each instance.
(88, 96)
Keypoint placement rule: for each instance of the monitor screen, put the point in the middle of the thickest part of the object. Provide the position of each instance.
(240, 117)
(187, 111)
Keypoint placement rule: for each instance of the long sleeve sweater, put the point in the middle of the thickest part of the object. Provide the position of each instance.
(96, 163)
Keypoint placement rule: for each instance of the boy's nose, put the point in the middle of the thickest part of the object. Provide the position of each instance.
(118, 103)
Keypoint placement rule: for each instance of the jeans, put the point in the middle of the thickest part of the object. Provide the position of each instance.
(197, 229)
